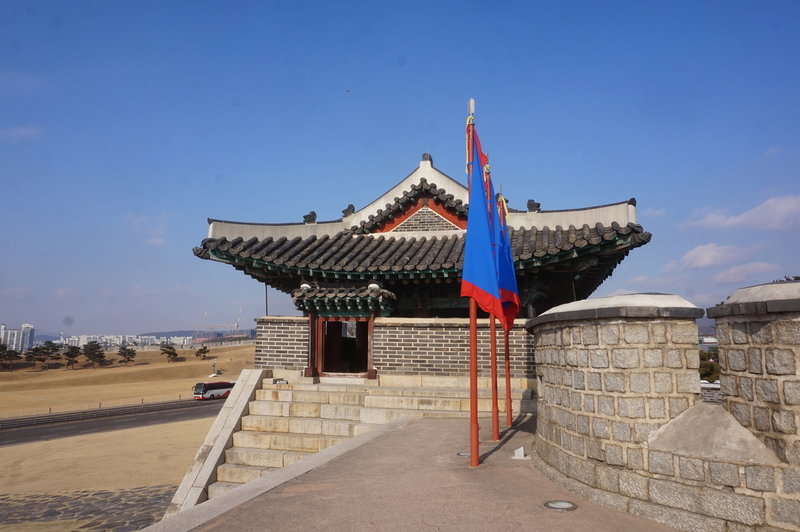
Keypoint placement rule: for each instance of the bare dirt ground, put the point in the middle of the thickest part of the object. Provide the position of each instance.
(123, 459)
(149, 377)
(148, 456)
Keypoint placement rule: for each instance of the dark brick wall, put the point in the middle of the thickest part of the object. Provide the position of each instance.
(401, 346)
(425, 220)
(281, 342)
(420, 346)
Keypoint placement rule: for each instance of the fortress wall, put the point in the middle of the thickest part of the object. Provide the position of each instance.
(760, 361)
(620, 420)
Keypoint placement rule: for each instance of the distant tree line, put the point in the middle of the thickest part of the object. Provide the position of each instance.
(44, 356)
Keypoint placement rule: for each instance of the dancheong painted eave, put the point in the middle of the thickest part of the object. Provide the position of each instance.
(414, 233)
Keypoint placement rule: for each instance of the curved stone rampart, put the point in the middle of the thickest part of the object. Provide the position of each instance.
(758, 329)
(620, 420)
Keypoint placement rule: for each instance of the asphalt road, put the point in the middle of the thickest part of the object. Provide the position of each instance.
(53, 431)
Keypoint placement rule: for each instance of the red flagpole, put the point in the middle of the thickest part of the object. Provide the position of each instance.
(493, 363)
(509, 417)
(474, 429)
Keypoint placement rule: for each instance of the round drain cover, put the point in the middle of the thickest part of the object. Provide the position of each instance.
(564, 506)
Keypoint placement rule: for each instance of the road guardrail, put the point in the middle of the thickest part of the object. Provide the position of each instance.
(97, 413)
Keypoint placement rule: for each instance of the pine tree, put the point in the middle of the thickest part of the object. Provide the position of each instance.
(169, 351)
(202, 352)
(71, 354)
(126, 353)
(94, 353)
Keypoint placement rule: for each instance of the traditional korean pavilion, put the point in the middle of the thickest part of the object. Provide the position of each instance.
(401, 256)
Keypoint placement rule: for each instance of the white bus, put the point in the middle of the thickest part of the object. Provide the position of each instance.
(212, 390)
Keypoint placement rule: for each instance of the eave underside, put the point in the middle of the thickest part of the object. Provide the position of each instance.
(553, 265)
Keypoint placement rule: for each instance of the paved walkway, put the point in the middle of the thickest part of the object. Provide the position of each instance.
(117, 511)
(409, 477)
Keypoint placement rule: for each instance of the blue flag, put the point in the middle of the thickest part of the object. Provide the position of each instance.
(480, 277)
(507, 278)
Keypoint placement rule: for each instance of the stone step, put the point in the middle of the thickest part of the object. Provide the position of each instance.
(379, 416)
(302, 425)
(309, 443)
(262, 457)
(221, 488)
(240, 473)
(443, 392)
(278, 408)
(312, 396)
(412, 403)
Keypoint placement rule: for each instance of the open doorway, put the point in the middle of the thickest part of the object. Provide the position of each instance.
(345, 346)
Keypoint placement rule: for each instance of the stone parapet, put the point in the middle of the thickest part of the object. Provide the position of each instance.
(758, 329)
(606, 383)
(620, 422)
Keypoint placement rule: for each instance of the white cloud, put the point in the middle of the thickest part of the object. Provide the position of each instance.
(65, 292)
(772, 152)
(710, 255)
(156, 241)
(738, 274)
(153, 230)
(18, 293)
(18, 133)
(19, 83)
(782, 212)
(707, 255)
(653, 213)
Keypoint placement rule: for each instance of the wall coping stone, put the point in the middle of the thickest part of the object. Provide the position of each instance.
(452, 322)
(625, 306)
(760, 299)
(710, 432)
(281, 319)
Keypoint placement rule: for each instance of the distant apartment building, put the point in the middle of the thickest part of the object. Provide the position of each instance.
(113, 340)
(17, 339)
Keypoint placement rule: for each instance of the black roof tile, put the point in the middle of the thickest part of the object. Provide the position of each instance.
(348, 252)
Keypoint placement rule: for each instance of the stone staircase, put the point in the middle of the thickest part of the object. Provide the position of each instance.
(288, 422)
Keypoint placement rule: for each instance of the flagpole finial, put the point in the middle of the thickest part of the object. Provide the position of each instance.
(471, 106)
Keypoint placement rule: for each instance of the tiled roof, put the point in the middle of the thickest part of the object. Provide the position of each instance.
(349, 299)
(348, 255)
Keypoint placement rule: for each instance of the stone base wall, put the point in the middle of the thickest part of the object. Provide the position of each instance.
(282, 342)
(440, 346)
(401, 346)
(683, 491)
(759, 355)
(620, 422)
(606, 385)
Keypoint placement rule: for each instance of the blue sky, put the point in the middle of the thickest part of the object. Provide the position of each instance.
(124, 125)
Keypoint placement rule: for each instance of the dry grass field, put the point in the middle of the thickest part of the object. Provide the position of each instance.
(149, 377)
(148, 456)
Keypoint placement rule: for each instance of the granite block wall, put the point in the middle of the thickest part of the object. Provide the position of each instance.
(760, 381)
(621, 424)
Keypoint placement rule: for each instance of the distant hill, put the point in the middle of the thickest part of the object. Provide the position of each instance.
(43, 336)
(169, 333)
